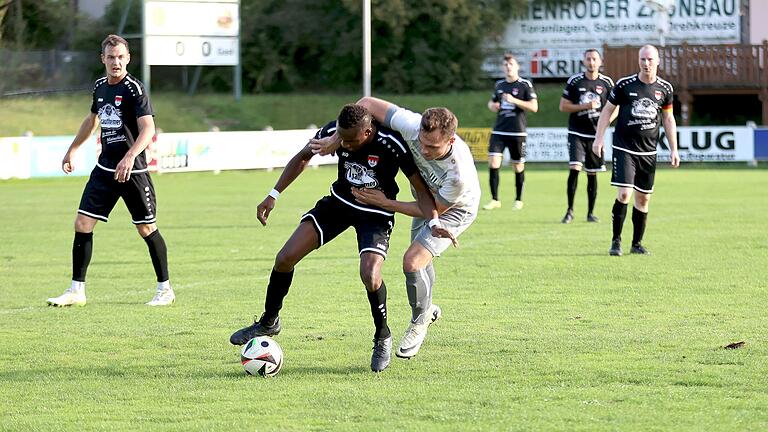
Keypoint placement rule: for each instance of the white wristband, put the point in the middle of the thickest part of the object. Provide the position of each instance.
(433, 223)
(274, 194)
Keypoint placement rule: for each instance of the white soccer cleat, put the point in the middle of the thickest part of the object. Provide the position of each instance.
(415, 334)
(518, 205)
(71, 297)
(494, 204)
(163, 297)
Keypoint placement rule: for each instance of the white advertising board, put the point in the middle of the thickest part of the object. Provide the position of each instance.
(192, 50)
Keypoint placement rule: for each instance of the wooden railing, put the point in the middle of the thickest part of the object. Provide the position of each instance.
(698, 66)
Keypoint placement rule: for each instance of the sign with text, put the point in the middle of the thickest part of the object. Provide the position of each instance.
(590, 23)
(192, 32)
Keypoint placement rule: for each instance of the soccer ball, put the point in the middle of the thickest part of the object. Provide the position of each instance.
(262, 356)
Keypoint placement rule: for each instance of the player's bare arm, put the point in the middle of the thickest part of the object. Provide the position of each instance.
(377, 107)
(670, 129)
(87, 127)
(146, 126)
(292, 170)
(530, 105)
(606, 116)
(567, 106)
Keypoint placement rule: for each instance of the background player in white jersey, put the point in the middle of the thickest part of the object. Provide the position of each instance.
(584, 97)
(644, 101)
(122, 109)
(369, 158)
(446, 164)
(511, 98)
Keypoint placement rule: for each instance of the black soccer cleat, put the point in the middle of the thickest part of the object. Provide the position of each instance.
(382, 352)
(592, 218)
(568, 218)
(245, 334)
(639, 250)
(615, 249)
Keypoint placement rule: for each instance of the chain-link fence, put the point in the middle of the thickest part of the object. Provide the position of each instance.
(30, 72)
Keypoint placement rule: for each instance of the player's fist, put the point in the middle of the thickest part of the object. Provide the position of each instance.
(263, 209)
(597, 147)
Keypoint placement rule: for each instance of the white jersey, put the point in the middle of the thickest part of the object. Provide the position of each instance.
(452, 178)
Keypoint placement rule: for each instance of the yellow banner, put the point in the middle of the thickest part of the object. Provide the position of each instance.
(477, 140)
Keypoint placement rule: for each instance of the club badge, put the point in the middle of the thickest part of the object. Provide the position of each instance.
(118, 100)
(599, 89)
(373, 160)
(657, 94)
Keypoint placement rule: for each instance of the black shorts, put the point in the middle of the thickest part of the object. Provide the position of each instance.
(331, 217)
(633, 171)
(580, 153)
(102, 192)
(515, 144)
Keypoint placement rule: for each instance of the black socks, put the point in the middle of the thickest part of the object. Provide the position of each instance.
(519, 180)
(618, 213)
(591, 192)
(159, 254)
(82, 249)
(573, 181)
(276, 292)
(378, 302)
(493, 173)
(639, 220)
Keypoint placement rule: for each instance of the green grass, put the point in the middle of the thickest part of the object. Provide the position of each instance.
(542, 330)
(62, 114)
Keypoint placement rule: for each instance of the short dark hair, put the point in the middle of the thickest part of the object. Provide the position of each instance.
(354, 116)
(441, 119)
(509, 56)
(113, 40)
(594, 50)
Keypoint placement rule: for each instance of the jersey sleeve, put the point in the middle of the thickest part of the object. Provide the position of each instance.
(326, 130)
(569, 94)
(406, 122)
(667, 103)
(616, 96)
(407, 164)
(530, 92)
(94, 107)
(143, 105)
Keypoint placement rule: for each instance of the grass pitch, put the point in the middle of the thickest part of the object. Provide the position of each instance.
(542, 330)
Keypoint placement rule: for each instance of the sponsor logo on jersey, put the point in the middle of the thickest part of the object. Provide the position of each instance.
(109, 117)
(345, 154)
(118, 100)
(100, 100)
(360, 176)
(373, 160)
(657, 94)
(599, 89)
(644, 108)
(632, 94)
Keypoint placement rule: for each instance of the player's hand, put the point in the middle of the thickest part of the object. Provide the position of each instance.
(324, 146)
(597, 147)
(66, 164)
(440, 232)
(509, 98)
(372, 197)
(263, 210)
(674, 159)
(124, 168)
(595, 104)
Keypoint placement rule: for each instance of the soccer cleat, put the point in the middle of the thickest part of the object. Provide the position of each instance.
(592, 218)
(382, 352)
(415, 334)
(615, 248)
(71, 297)
(163, 297)
(494, 204)
(518, 205)
(639, 249)
(568, 218)
(245, 334)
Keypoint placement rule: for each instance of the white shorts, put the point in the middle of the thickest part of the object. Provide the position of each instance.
(454, 220)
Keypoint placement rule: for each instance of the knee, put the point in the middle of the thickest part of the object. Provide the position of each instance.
(146, 229)
(370, 271)
(410, 263)
(642, 200)
(623, 196)
(285, 261)
(83, 224)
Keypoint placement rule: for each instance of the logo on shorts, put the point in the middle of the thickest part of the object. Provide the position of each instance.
(599, 89)
(373, 160)
(381, 246)
(118, 100)
(657, 94)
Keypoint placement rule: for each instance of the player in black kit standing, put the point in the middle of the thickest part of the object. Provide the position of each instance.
(645, 101)
(122, 109)
(511, 98)
(369, 158)
(584, 97)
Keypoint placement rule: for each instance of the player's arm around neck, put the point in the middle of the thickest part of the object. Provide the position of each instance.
(606, 115)
(87, 127)
(377, 107)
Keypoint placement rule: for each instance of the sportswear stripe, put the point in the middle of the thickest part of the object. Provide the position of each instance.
(495, 132)
(317, 225)
(634, 152)
(374, 250)
(95, 216)
(632, 186)
(570, 132)
(113, 170)
(402, 147)
(385, 213)
(138, 86)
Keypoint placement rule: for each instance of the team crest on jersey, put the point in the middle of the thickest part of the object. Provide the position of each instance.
(373, 160)
(657, 94)
(118, 100)
(599, 89)
(515, 92)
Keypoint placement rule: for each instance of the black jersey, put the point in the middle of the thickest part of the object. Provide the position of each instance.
(510, 120)
(118, 107)
(580, 90)
(374, 166)
(640, 107)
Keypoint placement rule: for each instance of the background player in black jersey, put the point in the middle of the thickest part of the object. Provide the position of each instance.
(643, 100)
(121, 107)
(511, 98)
(369, 158)
(584, 97)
